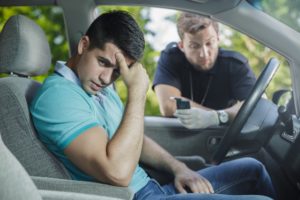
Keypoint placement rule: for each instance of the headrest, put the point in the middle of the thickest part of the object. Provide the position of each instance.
(24, 48)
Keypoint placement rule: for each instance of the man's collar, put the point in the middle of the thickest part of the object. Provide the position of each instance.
(62, 69)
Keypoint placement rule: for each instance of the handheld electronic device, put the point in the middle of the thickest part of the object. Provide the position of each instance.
(182, 103)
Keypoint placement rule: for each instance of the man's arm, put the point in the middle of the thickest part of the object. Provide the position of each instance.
(158, 158)
(167, 106)
(233, 110)
(114, 161)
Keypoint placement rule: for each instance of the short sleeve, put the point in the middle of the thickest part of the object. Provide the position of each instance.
(167, 71)
(242, 80)
(62, 113)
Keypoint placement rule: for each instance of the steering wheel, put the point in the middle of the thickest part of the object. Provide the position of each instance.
(248, 106)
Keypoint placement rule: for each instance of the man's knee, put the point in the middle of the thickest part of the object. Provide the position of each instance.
(252, 164)
(251, 161)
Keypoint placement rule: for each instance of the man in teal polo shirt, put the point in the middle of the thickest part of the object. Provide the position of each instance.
(81, 119)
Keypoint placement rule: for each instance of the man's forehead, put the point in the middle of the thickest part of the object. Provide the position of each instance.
(109, 51)
(199, 37)
(209, 30)
(111, 61)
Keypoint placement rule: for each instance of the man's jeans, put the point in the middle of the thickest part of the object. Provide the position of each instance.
(241, 179)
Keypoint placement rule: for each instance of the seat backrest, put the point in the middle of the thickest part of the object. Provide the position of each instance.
(15, 182)
(24, 52)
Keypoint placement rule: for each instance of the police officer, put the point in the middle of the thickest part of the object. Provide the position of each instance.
(215, 81)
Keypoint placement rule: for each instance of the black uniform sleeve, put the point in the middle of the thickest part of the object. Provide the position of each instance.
(242, 79)
(167, 68)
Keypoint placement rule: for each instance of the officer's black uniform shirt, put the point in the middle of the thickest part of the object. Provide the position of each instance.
(230, 78)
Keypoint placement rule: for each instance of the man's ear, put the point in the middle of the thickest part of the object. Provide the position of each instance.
(83, 44)
(180, 45)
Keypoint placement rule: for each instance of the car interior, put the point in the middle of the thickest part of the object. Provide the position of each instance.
(17, 130)
(263, 129)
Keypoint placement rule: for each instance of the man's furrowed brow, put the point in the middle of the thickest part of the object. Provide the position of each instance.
(106, 61)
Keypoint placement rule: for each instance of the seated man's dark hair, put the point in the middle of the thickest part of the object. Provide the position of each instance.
(119, 28)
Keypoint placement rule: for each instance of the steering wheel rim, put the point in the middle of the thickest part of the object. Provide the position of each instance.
(248, 106)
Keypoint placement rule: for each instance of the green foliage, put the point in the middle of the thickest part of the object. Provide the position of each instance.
(51, 20)
(285, 10)
(258, 56)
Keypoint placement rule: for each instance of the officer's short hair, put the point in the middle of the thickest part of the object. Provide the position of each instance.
(192, 23)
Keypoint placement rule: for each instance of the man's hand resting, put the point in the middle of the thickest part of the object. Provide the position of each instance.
(194, 182)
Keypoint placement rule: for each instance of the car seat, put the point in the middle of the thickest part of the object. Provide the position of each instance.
(24, 53)
(17, 184)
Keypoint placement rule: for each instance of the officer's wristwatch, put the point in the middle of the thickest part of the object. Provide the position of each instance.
(223, 117)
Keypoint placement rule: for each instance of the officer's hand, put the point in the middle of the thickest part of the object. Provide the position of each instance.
(135, 78)
(195, 118)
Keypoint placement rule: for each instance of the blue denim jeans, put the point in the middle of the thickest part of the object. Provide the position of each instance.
(241, 179)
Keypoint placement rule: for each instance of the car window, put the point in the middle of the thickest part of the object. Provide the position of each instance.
(258, 56)
(159, 26)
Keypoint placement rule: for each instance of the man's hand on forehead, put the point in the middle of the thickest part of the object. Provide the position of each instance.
(121, 62)
(130, 65)
(120, 59)
(134, 77)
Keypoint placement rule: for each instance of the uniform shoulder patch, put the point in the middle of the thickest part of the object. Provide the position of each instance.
(171, 45)
(172, 50)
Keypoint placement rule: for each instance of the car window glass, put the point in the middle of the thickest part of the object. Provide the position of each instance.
(258, 56)
(159, 26)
